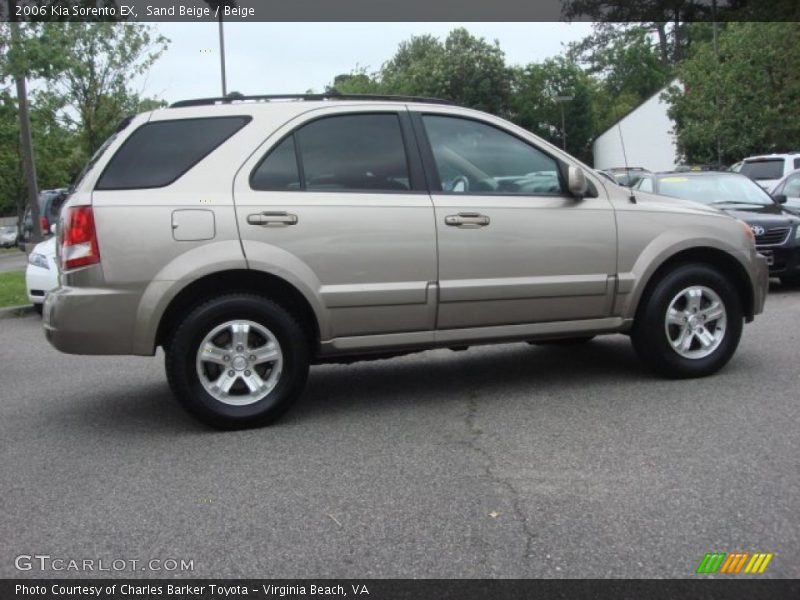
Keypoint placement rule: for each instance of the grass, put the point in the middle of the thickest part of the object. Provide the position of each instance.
(9, 250)
(12, 289)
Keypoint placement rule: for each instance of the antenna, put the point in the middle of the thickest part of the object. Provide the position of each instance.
(632, 196)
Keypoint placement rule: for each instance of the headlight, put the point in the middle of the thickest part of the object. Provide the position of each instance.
(38, 260)
(748, 232)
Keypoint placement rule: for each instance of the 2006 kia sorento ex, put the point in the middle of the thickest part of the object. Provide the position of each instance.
(252, 238)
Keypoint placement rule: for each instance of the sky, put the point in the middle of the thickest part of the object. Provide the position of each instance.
(271, 58)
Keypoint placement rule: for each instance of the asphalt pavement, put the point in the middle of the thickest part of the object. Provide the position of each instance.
(503, 461)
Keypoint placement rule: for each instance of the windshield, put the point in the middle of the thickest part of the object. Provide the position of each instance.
(711, 189)
(763, 169)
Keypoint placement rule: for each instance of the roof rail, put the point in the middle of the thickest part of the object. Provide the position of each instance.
(237, 97)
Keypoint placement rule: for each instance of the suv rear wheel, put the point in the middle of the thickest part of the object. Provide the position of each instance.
(237, 361)
(689, 325)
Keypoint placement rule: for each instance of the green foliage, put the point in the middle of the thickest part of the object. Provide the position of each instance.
(534, 106)
(82, 74)
(463, 68)
(748, 101)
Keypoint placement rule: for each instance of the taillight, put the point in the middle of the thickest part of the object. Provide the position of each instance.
(45, 224)
(79, 244)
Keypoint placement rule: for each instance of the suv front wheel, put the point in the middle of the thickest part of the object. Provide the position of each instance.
(690, 323)
(237, 361)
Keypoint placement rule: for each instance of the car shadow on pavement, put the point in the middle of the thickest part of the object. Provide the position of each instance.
(426, 378)
(490, 372)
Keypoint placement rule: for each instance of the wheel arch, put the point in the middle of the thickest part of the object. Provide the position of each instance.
(724, 261)
(251, 281)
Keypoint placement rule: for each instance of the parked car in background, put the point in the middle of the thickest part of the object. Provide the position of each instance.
(736, 167)
(788, 188)
(50, 203)
(776, 230)
(768, 169)
(625, 176)
(8, 236)
(41, 275)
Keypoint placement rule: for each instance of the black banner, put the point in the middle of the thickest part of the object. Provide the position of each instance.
(396, 589)
(396, 10)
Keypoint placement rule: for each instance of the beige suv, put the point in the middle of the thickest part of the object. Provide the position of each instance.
(250, 237)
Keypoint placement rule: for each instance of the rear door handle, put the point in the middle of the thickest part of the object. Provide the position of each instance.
(467, 220)
(272, 219)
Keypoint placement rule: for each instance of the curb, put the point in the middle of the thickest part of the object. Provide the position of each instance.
(13, 312)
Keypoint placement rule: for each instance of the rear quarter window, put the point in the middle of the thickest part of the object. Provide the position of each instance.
(159, 152)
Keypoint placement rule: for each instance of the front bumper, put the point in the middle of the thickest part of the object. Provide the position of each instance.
(760, 275)
(783, 260)
(90, 320)
(38, 282)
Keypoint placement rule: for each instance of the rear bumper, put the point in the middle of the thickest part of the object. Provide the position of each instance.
(90, 320)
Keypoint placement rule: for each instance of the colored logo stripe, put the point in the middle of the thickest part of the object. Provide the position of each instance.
(758, 563)
(711, 562)
(734, 562)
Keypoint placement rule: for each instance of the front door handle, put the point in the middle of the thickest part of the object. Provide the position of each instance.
(467, 220)
(272, 219)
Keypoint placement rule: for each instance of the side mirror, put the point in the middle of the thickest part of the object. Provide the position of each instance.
(576, 182)
(780, 198)
(53, 228)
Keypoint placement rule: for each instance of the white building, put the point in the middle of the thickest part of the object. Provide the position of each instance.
(646, 136)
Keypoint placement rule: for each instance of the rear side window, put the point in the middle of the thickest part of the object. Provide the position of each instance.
(763, 169)
(159, 152)
(362, 152)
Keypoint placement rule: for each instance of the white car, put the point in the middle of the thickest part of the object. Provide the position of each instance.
(789, 187)
(768, 169)
(41, 275)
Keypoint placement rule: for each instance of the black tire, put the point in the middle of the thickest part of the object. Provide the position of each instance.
(181, 353)
(39, 308)
(790, 281)
(573, 341)
(649, 336)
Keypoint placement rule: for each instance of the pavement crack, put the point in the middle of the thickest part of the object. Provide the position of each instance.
(490, 469)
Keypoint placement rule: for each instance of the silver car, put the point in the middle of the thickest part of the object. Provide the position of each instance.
(253, 237)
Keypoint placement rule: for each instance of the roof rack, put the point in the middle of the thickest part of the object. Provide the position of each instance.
(238, 97)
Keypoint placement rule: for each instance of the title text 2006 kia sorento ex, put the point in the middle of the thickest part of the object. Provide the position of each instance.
(251, 238)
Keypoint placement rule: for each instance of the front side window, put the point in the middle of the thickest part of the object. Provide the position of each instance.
(159, 152)
(792, 187)
(342, 153)
(473, 157)
(645, 184)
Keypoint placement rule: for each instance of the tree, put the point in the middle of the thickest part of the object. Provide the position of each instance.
(746, 102)
(534, 105)
(102, 60)
(466, 69)
(84, 74)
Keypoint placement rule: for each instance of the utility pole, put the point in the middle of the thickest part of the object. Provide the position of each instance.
(561, 100)
(219, 6)
(716, 81)
(26, 141)
(222, 55)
